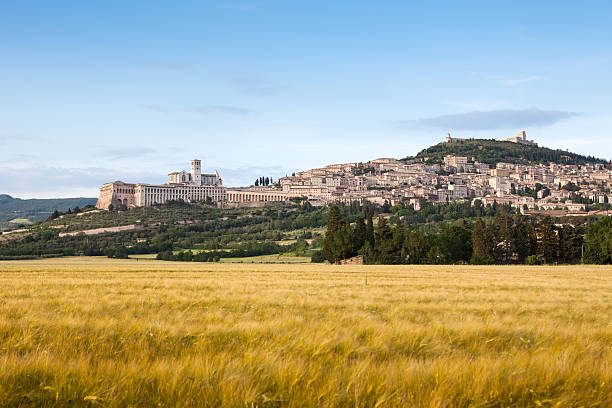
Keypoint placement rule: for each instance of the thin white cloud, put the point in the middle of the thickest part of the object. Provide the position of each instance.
(233, 110)
(517, 81)
(200, 109)
(44, 181)
(118, 153)
(490, 120)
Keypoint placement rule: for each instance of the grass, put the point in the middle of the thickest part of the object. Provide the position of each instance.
(266, 259)
(20, 221)
(270, 259)
(115, 333)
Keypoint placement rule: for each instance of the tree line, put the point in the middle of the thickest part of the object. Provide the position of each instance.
(492, 151)
(263, 181)
(503, 239)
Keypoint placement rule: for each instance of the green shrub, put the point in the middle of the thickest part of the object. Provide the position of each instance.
(533, 260)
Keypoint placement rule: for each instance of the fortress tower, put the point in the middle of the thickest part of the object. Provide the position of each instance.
(196, 172)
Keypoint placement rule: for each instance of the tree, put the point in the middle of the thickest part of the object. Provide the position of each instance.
(383, 250)
(54, 215)
(598, 242)
(482, 244)
(549, 245)
(525, 239)
(414, 249)
(338, 237)
(317, 257)
(570, 244)
(505, 236)
(456, 243)
(118, 251)
(369, 233)
(359, 234)
(533, 260)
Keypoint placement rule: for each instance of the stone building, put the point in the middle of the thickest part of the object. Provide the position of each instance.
(522, 139)
(192, 186)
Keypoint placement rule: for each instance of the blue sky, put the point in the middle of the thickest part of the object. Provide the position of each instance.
(97, 91)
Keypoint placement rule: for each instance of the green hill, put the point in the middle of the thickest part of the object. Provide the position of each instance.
(492, 151)
(16, 211)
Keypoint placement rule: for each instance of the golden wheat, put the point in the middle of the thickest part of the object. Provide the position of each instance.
(100, 332)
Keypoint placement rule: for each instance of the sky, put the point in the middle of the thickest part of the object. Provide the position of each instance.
(92, 92)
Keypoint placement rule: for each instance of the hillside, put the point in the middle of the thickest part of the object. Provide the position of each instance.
(16, 211)
(174, 226)
(492, 151)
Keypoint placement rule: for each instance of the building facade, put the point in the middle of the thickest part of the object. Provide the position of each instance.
(521, 138)
(189, 187)
(192, 186)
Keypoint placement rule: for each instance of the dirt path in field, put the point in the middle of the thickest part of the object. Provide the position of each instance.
(100, 230)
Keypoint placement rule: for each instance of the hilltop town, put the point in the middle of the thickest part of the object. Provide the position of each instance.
(567, 188)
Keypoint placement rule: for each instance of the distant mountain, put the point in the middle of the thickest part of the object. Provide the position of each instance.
(493, 151)
(16, 211)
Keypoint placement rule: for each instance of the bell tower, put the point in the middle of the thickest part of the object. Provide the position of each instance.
(196, 172)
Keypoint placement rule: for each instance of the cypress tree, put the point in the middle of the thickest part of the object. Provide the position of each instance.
(482, 244)
(521, 236)
(598, 242)
(359, 234)
(332, 249)
(505, 232)
(570, 244)
(382, 241)
(549, 245)
(369, 235)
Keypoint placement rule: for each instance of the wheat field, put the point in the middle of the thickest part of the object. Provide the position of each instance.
(118, 333)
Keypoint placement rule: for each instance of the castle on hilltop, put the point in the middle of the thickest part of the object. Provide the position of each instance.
(521, 138)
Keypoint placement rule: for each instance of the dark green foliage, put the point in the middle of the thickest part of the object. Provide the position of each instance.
(570, 244)
(317, 257)
(446, 233)
(383, 251)
(359, 234)
(369, 231)
(482, 243)
(493, 151)
(416, 247)
(525, 238)
(169, 227)
(454, 210)
(54, 215)
(506, 246)
(548, 243)
(506, 239)
(598, 242)
(118, 251)
(338, 237)
(571, 187)
(455, 244)
(533, 260)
